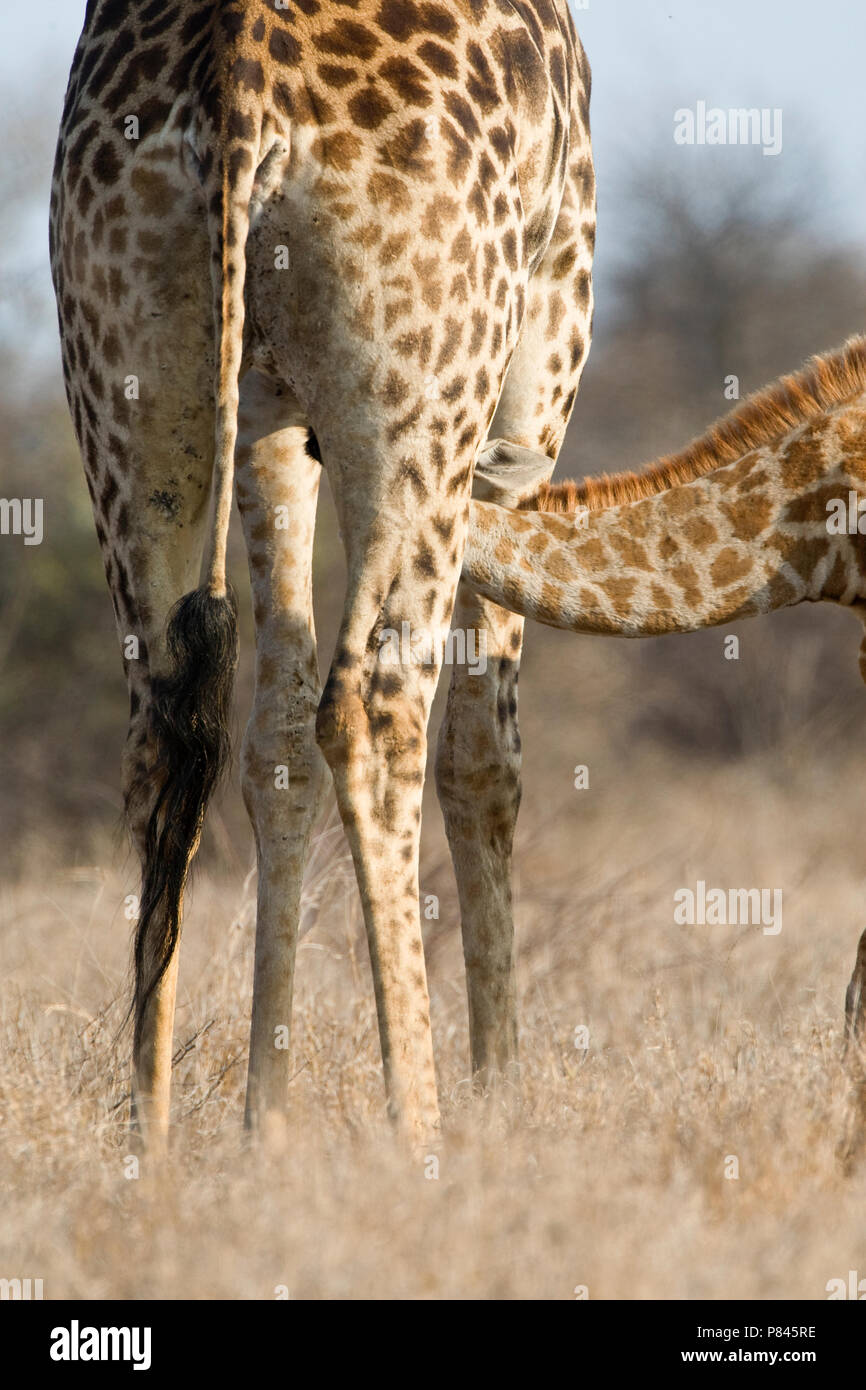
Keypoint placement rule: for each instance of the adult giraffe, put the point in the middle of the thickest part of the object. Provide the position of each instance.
(362, 233)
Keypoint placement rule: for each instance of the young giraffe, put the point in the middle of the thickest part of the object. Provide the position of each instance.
(766, 510)
(360, 234)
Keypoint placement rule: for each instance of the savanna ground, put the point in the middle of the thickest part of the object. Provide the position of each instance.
(607, 1169)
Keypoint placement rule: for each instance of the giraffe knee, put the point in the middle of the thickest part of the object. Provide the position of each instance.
(380, 716)
(478, 757)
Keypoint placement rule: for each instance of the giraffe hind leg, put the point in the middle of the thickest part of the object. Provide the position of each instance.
(283, 774)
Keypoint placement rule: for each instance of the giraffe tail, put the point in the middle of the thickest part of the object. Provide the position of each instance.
(191, 704)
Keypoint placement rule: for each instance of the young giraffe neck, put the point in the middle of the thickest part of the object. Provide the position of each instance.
(744, 537)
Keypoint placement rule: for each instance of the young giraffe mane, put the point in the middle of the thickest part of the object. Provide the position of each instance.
(824, 382)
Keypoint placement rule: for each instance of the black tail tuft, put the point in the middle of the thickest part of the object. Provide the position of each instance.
(190, 713)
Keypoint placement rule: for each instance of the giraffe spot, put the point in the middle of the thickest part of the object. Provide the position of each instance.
(424, 561)
(117, 285)
(338, 151)
(461, 111)
(454, 390)
(591, 555)
(502, 143)
(491, 260)
(699, 532)
(458, 155)
(405, 423)
(582, 289)
(730, 566)
(240, 126)
(461, 247)
(427, 270)
(369, 108)
(538, 543)
(232, 23)
(661, 598)
(111, 348)
(392, 249)
(851, 431)
(389, 191)
(811, 506)
(347, 39)
(564, 263)
(85, 196)
(407, 79)
(333, 75)
(629, 551)
(509, 248)
(249, 73)
(561, 564)
(477, 204)
(686, 577)
(551, 598)
(441, 210)
(106, 165)
(577, 349)
(284, 47)
(803, 461)
(239, 161)
(407, 150)
(395, 389)
(151, 243)
(748, 517)
(555, 314)
(619, 590)
(155, 192)
(481, 83)
(450, 344)
(523, 71)
(439, 60)
(803, 553)
(837, 580)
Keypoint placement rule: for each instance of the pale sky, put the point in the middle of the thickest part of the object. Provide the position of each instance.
(649, 59)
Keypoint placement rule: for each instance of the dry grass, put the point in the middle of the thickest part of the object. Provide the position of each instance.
(607, 1170)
